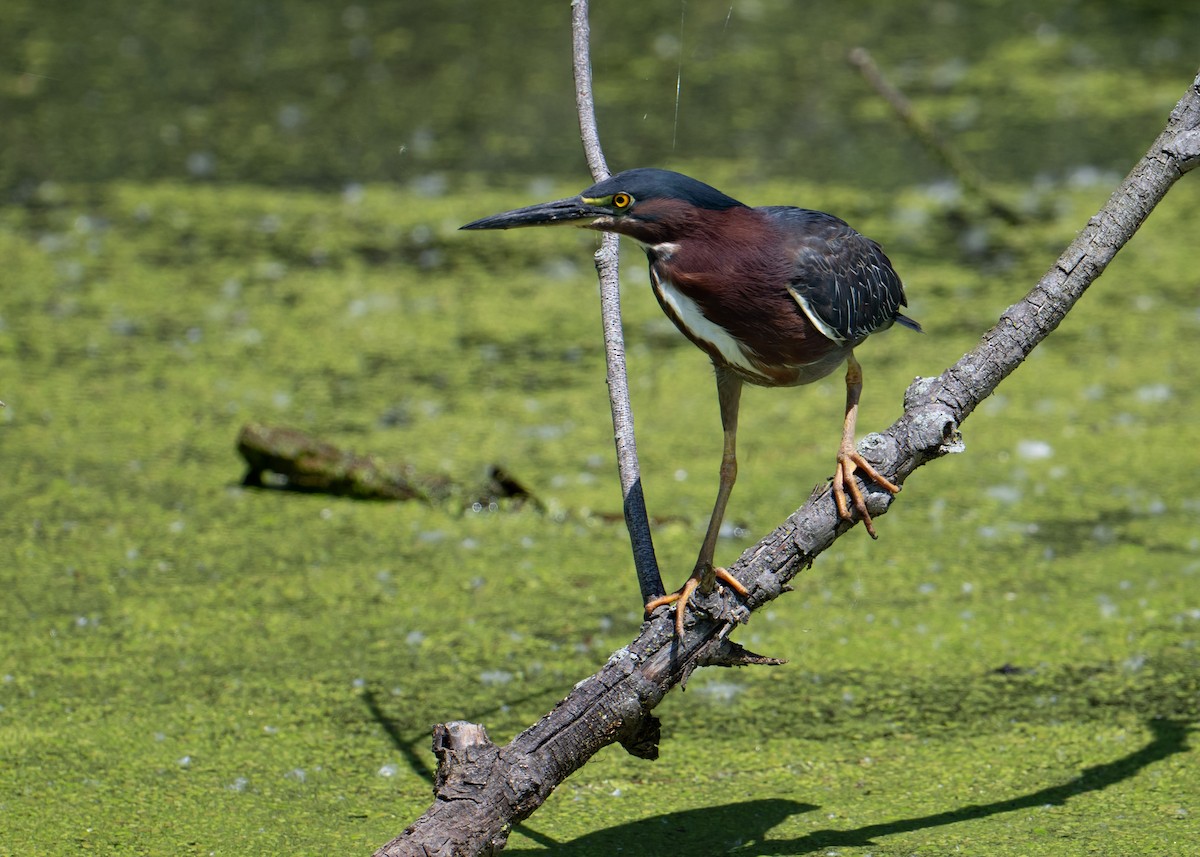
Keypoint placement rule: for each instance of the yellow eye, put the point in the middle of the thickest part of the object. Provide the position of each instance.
(621, 200)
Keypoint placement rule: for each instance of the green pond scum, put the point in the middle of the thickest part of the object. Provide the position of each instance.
(214, 217)
(190, 666)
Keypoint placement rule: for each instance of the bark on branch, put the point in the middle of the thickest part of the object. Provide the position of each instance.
(483, 790)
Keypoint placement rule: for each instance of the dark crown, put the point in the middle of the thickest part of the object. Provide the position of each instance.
(647, 183)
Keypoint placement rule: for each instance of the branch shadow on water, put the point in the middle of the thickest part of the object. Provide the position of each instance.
(406, 744)
(415, 747)
(717, 830)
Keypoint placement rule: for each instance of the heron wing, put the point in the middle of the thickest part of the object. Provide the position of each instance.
(841, 279)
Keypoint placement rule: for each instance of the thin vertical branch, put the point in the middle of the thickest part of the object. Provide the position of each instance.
(607, 258)
(581, 35)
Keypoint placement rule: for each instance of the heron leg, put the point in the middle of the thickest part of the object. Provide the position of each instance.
(849, 461)
(705, 575)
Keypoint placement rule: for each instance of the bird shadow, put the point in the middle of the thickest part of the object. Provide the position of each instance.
(1069, 536)
(741, 828)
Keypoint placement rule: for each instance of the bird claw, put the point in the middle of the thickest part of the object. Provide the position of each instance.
(849, 461)
(681, 597)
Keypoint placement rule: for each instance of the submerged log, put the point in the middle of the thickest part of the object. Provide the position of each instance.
(288, 459)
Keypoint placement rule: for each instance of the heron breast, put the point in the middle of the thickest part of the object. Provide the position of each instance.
(709, 335)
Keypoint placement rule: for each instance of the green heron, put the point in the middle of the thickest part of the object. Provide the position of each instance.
(776, 296)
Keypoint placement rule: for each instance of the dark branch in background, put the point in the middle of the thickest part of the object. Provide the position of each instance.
(924, 131)
(483, 790)
(607, 258)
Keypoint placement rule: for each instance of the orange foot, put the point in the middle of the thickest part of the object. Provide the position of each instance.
(848, 462)
(681, 597)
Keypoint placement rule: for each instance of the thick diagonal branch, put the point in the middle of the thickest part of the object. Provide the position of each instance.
(483, 789)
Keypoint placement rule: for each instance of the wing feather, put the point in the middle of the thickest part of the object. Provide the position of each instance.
(841, 279)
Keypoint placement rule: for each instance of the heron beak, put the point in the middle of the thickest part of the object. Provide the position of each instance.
(572, 210)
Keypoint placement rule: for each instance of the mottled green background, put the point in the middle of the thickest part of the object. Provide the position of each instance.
(322, 94)
(212, 214)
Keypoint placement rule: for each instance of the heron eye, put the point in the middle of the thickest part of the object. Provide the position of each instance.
(621, 200)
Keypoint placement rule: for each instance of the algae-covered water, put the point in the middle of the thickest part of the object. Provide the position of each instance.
(191, 666)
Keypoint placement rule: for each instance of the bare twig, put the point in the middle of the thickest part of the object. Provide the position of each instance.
(483, 789)
(607, 258)
(970, 178)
